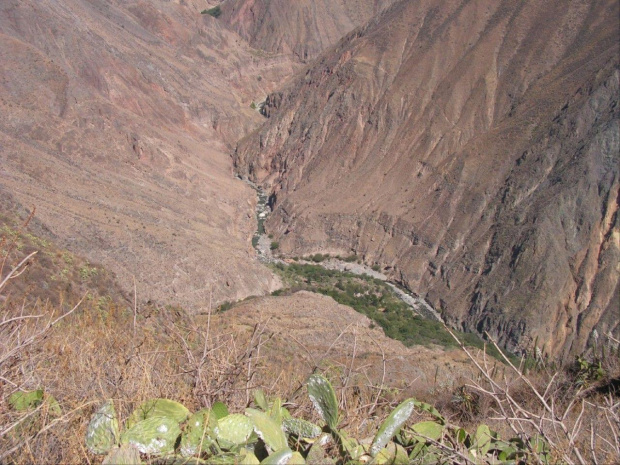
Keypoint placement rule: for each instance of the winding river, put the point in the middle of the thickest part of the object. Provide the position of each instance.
(262, 244)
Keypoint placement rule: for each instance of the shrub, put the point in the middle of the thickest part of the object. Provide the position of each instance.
(275, 245)
(216, 11)
(226, 305)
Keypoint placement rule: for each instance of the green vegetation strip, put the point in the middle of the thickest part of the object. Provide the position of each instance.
(216, 11)
(375, 299)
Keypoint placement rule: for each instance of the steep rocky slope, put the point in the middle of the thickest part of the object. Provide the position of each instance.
(303, 28)
(114, 120)
(470, 148)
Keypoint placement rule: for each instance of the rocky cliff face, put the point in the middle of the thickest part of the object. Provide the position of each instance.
(471, 149)
(114, 122)
(302, 28)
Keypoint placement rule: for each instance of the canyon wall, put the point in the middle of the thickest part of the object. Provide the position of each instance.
(470, 148)
(115, 123)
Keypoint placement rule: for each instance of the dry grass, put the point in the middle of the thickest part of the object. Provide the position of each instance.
(578, 417)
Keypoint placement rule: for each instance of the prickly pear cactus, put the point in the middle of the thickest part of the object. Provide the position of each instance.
(124, 455)
(233, 430)
(277, 412)
(248, 458)
(392, 454)
(483, 438)
(324, 399)
(267, 429)
(153, 436)
(318, 451)
(260, 400)
(22, 400)
(391, 425)
(427, 429)
(301, 428)
(179, 460)
(102, 432)
(280, 457)
(158, 408)
(199, 433)
(220, 410)
(296, 459)
(224, 459)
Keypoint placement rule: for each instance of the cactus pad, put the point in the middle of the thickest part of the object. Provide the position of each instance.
(296, 459)
(324, 399)
(260, 400)
(233, 429)
(124, 455)
(179, 460)
(317, 453)
(267, 429)
(428, 429)
(220, 410)
(102, 432)
(280, 457)
(301, 428)
(199, 433)
(249, 459)
(392, 454)
(21, 400)
(392, 424)
(158, 408)
(153, 436)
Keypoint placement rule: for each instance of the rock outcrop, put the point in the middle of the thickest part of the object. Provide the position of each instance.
(471, 149)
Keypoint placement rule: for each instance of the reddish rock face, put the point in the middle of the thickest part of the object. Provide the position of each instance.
(114, 122)
(472, 147)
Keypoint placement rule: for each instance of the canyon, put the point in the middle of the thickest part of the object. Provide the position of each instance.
(469, 149)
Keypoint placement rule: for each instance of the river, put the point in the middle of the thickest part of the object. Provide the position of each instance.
(262, 244)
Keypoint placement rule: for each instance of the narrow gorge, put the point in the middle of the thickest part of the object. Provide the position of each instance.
(476, 166)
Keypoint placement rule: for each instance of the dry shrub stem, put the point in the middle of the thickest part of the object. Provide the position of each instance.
(218, 367)
(17, 336)
(560, 425)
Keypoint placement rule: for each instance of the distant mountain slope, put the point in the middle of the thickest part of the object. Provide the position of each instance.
(303, 28)
(113, 122)
(471, 149)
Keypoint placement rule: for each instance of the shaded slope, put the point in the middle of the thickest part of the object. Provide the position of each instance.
(303, 28)
(470, 148)
(114, 119)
